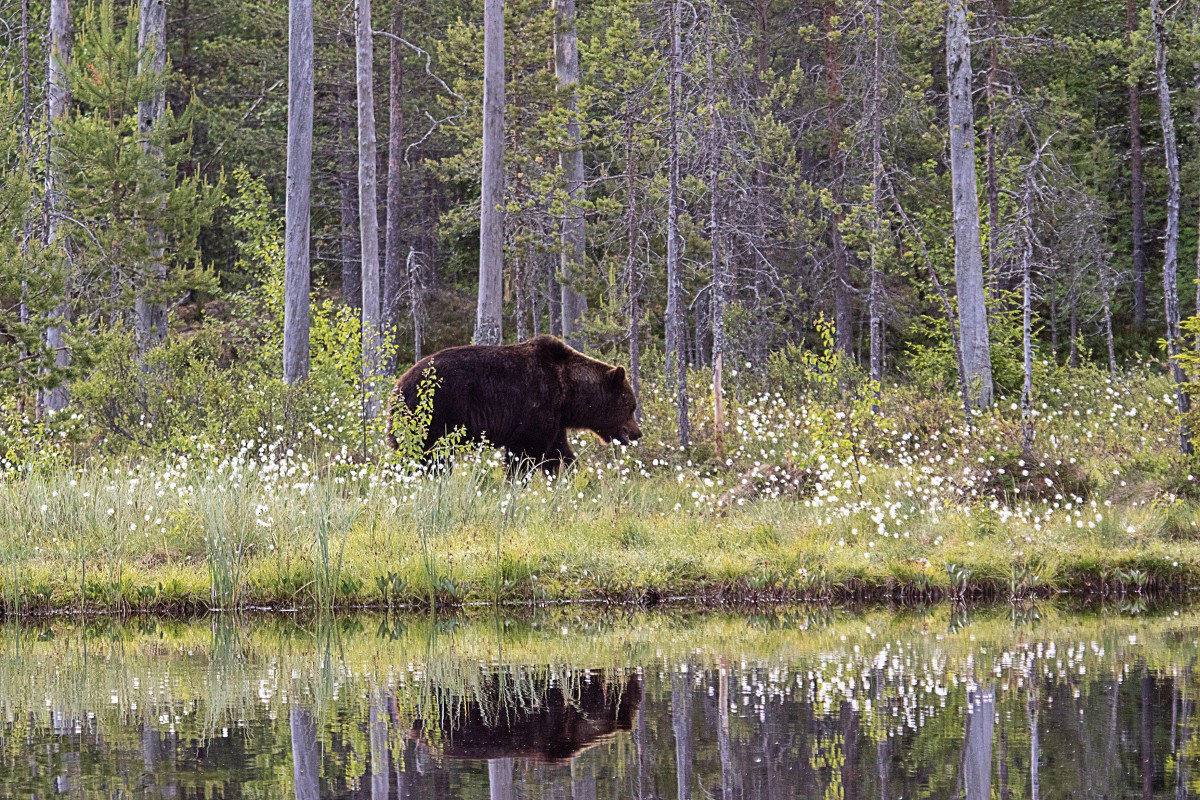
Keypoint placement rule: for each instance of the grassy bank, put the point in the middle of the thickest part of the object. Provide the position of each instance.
(813, 496)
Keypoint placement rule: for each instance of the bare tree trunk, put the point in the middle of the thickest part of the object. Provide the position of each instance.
(488, 318)
(348, 186)
(58, 102)
(554, 301)
(1108, 325)
(150, 308)
(1053, 289)
(968, 262)
(875, 300)
(306, 757)
(415, 295)
(842, 289)
(299, 187)
(1171, 240)
(574, 231)
(676, 324)
(368, 215)
(632, 282)
(394, 261)
(720, 272)
(522, 266)
(1137, 187)
(1073, 322)
(1027, 314)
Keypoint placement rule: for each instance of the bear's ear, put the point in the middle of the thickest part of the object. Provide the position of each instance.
(617, 374)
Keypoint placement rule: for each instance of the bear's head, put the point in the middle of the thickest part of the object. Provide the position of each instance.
(620, 424)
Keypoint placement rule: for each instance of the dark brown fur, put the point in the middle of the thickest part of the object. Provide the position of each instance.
(522, 397)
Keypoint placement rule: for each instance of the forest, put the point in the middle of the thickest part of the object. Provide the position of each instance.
(922, 273)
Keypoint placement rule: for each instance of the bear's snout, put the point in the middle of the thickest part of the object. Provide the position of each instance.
(629, 434)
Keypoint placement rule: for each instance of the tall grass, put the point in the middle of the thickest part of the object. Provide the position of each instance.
(226, 510)
(908, 502)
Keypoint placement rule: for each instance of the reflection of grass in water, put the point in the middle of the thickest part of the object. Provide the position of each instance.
(208, 675)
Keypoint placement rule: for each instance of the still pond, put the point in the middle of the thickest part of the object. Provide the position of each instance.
(1011, 702)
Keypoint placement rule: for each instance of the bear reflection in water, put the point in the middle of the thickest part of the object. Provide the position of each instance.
(552, 725)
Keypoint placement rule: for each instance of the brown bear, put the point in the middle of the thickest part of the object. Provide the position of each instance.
(523, 398)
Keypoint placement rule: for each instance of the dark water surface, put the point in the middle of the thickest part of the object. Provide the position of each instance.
(942, 703)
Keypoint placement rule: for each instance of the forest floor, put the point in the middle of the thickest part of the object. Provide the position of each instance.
(809, 499)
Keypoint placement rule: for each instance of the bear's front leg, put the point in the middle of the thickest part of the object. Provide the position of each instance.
(559, 455)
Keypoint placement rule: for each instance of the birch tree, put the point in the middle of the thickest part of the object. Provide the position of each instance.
(58, 102)
(150, 309)
(574, 227)
(1171, 236)
(488, 316)
(968, 257)
(299, 187)
(368, 216)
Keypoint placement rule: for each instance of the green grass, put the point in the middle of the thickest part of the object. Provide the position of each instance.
(815, 498)
(356, 539)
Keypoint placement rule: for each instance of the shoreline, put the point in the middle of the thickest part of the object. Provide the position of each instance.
(143, 594)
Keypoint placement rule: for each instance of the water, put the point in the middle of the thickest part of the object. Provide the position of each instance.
(1001, 703)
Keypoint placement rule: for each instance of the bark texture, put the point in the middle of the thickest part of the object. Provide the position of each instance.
(968, 257)
(1171, 238)
(574, 226)
(675, 322)
(488, 316)
(150, 308)
(58, 102)
(368, 215)
(299, 188)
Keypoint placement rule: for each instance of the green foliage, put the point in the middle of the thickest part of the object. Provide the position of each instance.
(127, 188)
(408, 428)
(931, 359)
(32, 276)
(222, 383)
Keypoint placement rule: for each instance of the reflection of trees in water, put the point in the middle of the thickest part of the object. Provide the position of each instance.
(1090, 717)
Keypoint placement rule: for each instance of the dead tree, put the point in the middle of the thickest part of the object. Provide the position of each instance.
(488, 317)
(968, 260)
(299, 187)
(1171, 238)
